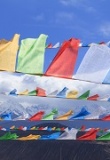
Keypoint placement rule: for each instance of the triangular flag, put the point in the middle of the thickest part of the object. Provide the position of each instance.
(82, 128)
(13, 92)
(65, 116)
(71, 134)
(12, 127)
(20, 127)
(51, 136)
(81, 114)
(30, 137)
(90, 135)
(37, 116)
(31, 55)
(6, 116)
(53, 94)
(41, 92)
(106, 118)
(104, 137)
(24, 92)
(84, 95)
(72, 94)
(56, 45)
(93, 98)
(9, 136)
(50, 115)
(64, 62)
(32, 93)
(62, 94)
(49, 45)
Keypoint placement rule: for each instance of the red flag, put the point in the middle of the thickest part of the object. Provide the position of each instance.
(64, 62)
(90, 135)
(41, 92)
(62, 129)
(49, 45)
(37, 116)
(106, 118)
(93, 98)
(41, 128)
(21, 128)
(83, 128)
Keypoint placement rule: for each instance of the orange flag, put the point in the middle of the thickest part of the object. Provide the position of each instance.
(64, 62)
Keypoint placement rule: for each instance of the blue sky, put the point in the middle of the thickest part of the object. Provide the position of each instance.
(87, 20)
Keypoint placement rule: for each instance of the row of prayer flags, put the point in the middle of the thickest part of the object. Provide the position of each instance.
(91, 134)
(53, 115)
(30, 57)
(72, 94)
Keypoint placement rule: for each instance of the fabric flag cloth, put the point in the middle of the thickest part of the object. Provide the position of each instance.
(62, 94)
(56, 45)
(51, 136)
(50, 116)
(13, 92)
(31, 55)
(24, 92)
(104, 137)
(82, 128)
(84, 95)
(6, 116)
(81, 114)
(90, 135)
(106, 118)
(29, 137)
(64, 62)
(38, 116)
(65, 116)
(32, 93)
(93, 98)
(92, 70)
(41, 92)
(49, 45)
(9, 136)
(70, 134)
(53, 94)
(8, 53)
(72, 94)
(33, 128)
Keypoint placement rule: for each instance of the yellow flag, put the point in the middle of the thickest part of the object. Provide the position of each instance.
(72, 94)
(24, 92)
(30, 137)
(8, 53)
(65, 116)
(53, 128)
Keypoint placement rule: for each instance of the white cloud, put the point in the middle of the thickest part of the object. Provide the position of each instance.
(82, 4)
(64, 18)
(39, 17)
(105, 29)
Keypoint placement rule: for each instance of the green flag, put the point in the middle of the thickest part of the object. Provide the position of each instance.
(104, 137)
(32, 93)
(84, 95)
(50, 115)
(31, 55)
(9, 136)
